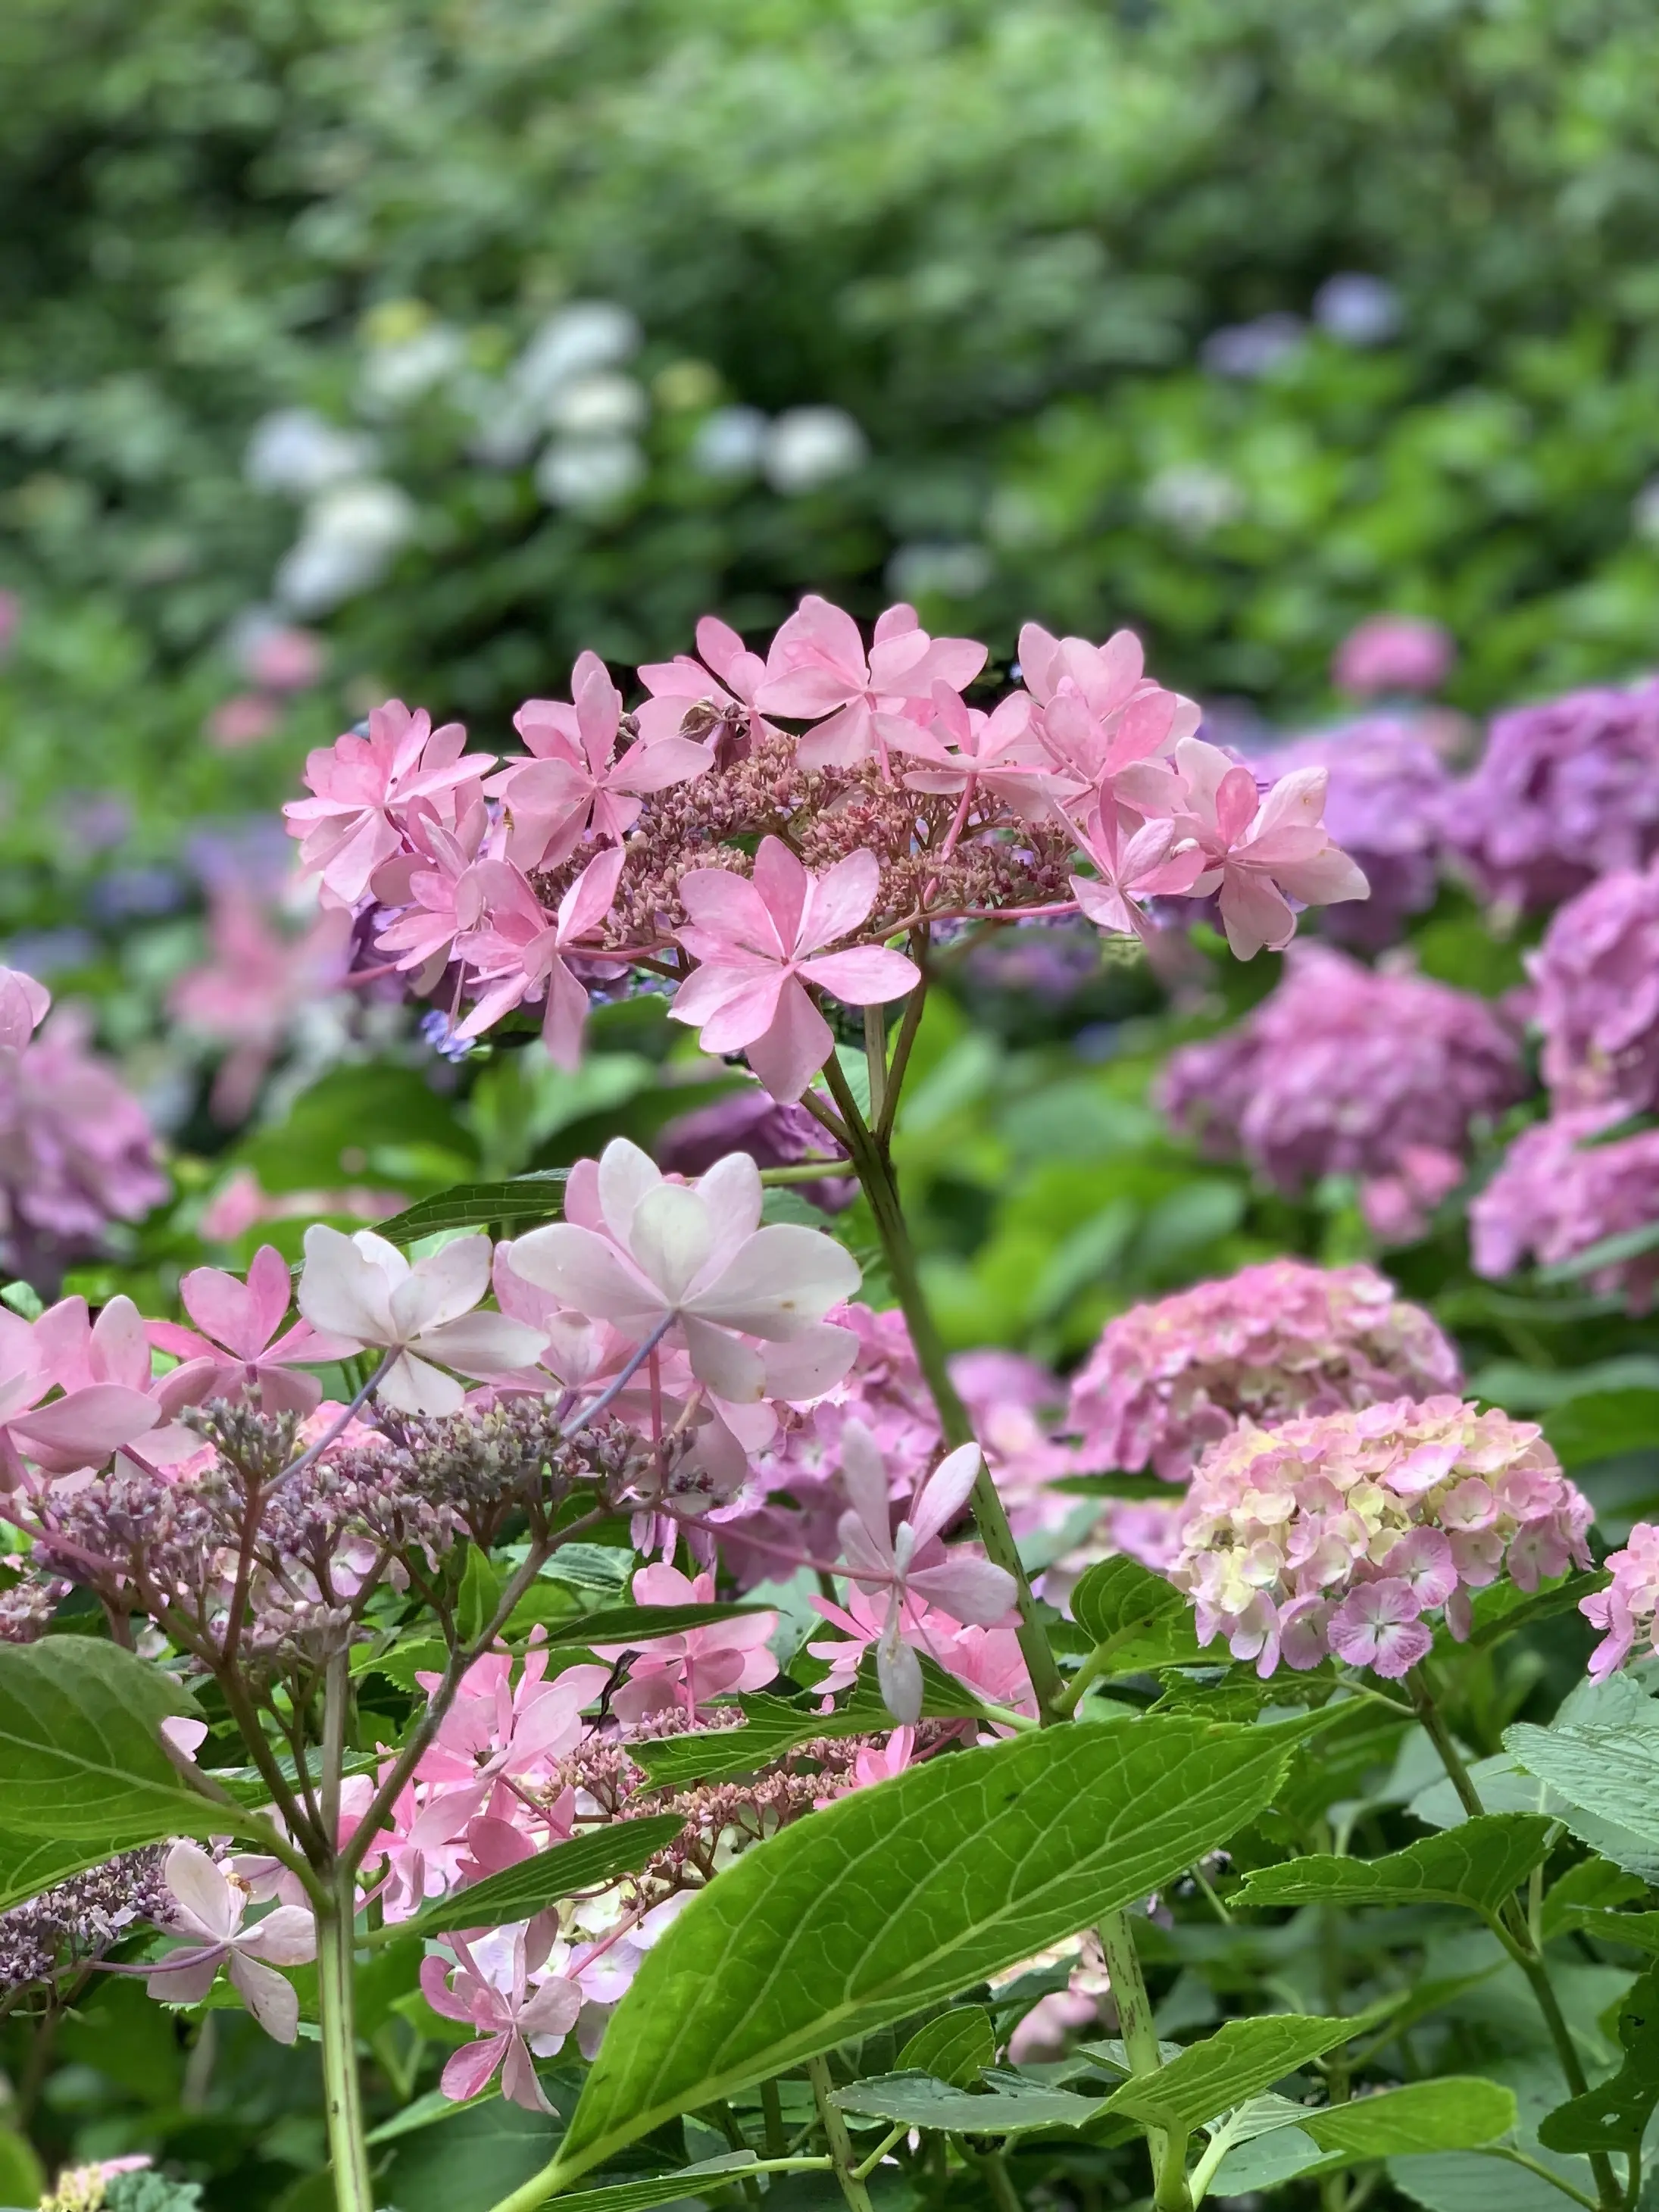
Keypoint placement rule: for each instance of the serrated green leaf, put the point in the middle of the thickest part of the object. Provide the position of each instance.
(1456, 2113)
(1138, 1620)
(81, 1754)
(900, 1895)
(636, 1624)
(956, 2048)
(1478, 1865)
(519, 1891)
(1009, 2106)
(1262, 2162)
(1614, 2115)
(1242, 2059)
(1607, 1779)
(524, 1202)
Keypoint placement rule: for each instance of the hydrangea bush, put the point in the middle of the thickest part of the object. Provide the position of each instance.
(586, 1667)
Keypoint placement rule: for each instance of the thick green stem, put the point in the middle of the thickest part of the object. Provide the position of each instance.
(880, 1187)
(842, 2157)
(1514, 1931)
(354, 2190)
(1135, 2026)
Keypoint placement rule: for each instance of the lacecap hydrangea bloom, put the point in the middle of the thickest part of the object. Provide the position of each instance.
(1345, 1535)
(1172, 1377)
(1624, 1610)
(1348, 1070)
(1597, 1003)
(1560, 1190)
(1564, 792)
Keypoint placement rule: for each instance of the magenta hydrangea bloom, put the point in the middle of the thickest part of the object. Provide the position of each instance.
(77, 1149)
(1341, 1534)
(1624, 1611)
(1170, 1377)
(1565, 792)
(1347, 1070)
(1597, 1003)
(1385, 804)
(1392, 652)
(1559, 1192)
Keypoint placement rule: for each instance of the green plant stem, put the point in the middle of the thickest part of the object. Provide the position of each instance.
(880, 1187)
(1515, 1932)
(868, 2166)
(1135, 2026)
(841, 2157)
(1544, 2173)
(1004, 2194)
(540, 2186)
(772, 2118)
(354, 2190)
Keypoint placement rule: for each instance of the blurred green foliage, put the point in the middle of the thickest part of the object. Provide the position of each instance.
(996, 237)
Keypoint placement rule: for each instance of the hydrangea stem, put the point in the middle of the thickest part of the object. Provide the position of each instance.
(842, 2153)
(1135, 2026)
(880, 1187)
(354, 2190)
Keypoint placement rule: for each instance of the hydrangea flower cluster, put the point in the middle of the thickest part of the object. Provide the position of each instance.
(76, 1921)
(695, 838)
(1624, 1611)
(1386, 806)
(1564, 792)
(1391, 652)
(1346, 1070)
(1561, 1189)
(1170, 1377)
(1596, 974)
(1342, 1534)
(77, 1149)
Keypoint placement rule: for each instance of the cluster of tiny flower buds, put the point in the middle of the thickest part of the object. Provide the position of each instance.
(75, 1923)
(695, 838)
(1342, 1534)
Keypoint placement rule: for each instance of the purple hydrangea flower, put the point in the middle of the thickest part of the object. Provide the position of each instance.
(772, 1135)
(1559, 1192)
(1597, 1002)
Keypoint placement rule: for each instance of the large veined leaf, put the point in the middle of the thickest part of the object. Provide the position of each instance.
(1602, 1424)
(957, 2047)
(518, 1892)
(1479, 1864)
(524, 1201)
(1457, 2113)
(1614, 2115)
(1137, 1619)
(644, 1623)
(900, 1895)
(1242, 2059)
(1606, 1777)
(80, 1752)
(1009, 2106)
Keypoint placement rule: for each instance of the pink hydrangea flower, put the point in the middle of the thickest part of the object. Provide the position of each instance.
(207, 1907)
(1626, 1610)
(1559, 1190)
(817, 671)
(1596, 974)
(234, 1348)
(502, 1988)
(1169, 1377)
(1348, 1070)
(93, 1418)
(1344, 1532)
(517, 954)
(760, 943)
(258, 981)
(683, 684)
(1392, 652)
(362, 786)
(685, 1671)
(573, 786)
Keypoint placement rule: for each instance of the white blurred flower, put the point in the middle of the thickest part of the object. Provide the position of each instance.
(604, 405)
(351, 533)
(953, 571)
(807, 446)
(586, 336)
(296, 451)
(394, 375)
(731, 442)
(1193, 498)
(1356, 309)
(589, 472)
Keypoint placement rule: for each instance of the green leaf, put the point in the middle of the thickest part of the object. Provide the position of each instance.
(1464, 2181)
(1607, 1777)
(686, 2182)
(1614, 2116)
(1639, 1930)
(518, 1892)
(22, 2177)
(635, 1624)
(1605, 1252)
(1456, 2113)
(957, 2047)
(1262, 2162)
(1242, 2059)
(1479, 1864)
(1504, 1607)
(471, 2161)
(1602, 1424)
(81, 1754)
(900, 1895)
(478, 1596)
(1010, 2104)
(1138, 1620)
(524, 1202)
(776, 1725)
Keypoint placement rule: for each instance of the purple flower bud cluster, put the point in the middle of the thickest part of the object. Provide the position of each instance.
(772, 1135)
(79, 1919)
(1597, 1000)
(1560, 1190)
(1386, 805)
(1170, 1377)
(1564, 792)
(1346, 1070)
